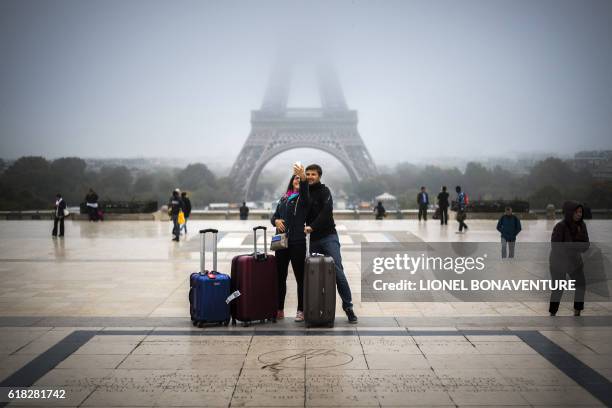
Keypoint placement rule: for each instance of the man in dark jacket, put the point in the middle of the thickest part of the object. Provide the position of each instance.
(423, 203)
(186, 210)
(569, 240)
(509, 226)
(323, 236)
(58, 216)
(443, 205)
(175, 206)
(379, 211)
(91, 201)
(244, 211)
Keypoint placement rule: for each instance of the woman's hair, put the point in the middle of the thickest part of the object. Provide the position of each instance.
(290, 185)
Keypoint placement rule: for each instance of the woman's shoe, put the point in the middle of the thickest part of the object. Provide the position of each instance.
(280, 314)
(299, 316)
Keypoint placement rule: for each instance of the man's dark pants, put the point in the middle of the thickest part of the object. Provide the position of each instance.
(60, 221)
(423, 211)
(443, 215)
(176, 229)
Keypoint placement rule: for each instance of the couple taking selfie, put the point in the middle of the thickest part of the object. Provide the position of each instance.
(306, 207)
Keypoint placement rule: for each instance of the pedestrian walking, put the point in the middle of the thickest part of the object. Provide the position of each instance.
(509, 227)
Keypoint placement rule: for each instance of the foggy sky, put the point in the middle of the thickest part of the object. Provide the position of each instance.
(179, 78)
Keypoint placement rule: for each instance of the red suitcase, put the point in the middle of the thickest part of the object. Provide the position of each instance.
(255, 277)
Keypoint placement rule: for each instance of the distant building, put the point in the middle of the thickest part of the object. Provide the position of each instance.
(596, 162)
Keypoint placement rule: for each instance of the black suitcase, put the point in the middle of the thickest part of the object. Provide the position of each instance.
(319, 289)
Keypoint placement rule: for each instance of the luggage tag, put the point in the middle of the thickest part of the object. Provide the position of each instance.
(232, 296)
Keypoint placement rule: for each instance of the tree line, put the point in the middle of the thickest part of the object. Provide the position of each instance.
(31, 183)
(549, 181)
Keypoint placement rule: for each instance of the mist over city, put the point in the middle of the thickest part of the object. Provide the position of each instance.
(440, 84)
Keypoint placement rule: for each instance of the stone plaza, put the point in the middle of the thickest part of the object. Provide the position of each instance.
(103, 315)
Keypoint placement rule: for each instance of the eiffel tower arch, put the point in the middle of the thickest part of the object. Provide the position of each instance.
(275, 129)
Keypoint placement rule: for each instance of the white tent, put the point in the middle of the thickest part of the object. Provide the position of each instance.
(385, 197)
(389, 201)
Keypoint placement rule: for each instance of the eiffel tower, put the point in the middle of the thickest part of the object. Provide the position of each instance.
(275, 128)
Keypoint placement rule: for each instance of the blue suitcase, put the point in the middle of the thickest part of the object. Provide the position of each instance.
(209, 290)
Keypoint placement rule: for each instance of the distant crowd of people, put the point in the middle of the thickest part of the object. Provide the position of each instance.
(422, 200)
(307, 208)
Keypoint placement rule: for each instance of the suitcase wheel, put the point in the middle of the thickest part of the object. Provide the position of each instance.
(201, 324)
(194, 322)
(246, 324)
(233, 322)
(226, 323)
(330, 325)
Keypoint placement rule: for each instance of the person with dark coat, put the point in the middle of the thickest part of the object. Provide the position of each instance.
(569, 240)
(443, 205)
(422, 203)
(175, 206)
(379, 211)
(91, 201)
(323, 235)
(289, 218)
(460, 205)
(58, 216)
(186, 210)
(244, 211)
(509, 226)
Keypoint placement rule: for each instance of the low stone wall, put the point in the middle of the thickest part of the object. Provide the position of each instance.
(266, 215)
(260, 215)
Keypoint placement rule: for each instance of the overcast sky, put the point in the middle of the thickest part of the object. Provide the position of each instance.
(179, 78)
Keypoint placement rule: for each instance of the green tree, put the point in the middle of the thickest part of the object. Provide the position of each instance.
(195, 176)
(69, 175)
(544, 196)
(114, 183)
(144, 185)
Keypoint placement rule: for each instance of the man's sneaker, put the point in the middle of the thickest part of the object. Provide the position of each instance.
(299, 316)
(175, 239)
(351, 316)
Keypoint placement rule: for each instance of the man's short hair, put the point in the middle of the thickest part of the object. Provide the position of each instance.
(422, 187)
(316, 168)
(508, 208)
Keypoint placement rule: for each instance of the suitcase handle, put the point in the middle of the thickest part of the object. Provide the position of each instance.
(203, 249)
(265, 254)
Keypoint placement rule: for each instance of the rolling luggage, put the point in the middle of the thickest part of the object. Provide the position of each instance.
(319, 289)
(255, 277)
(209, 289)
(437, 214)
